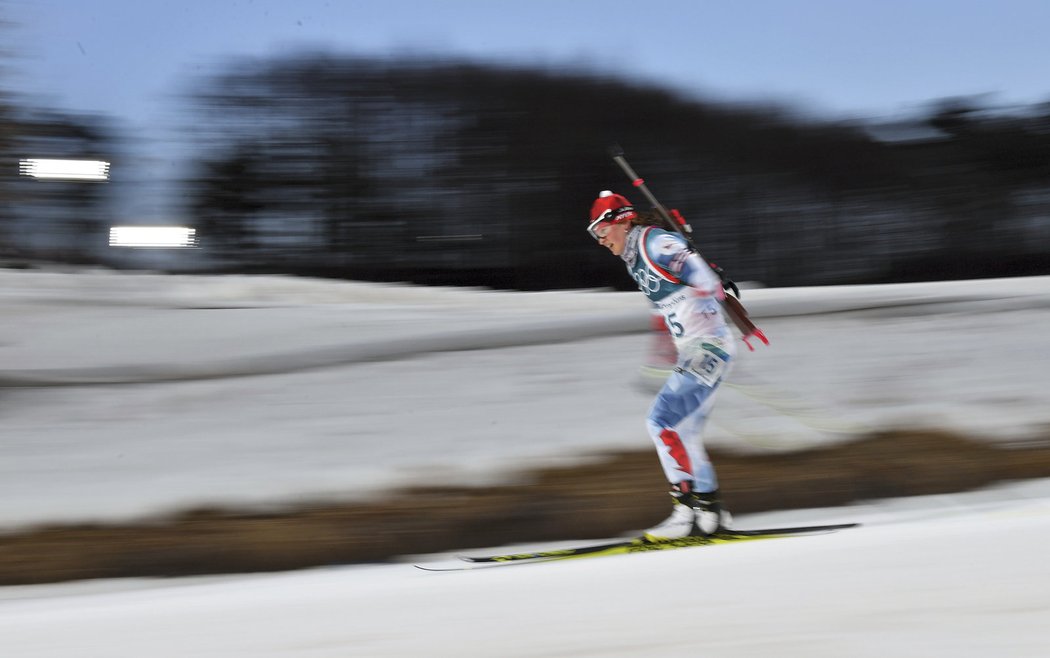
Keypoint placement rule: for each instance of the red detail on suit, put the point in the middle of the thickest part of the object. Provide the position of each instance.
(677, 450)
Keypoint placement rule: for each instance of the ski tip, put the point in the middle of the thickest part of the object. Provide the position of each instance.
(841, 526)
(797, 530)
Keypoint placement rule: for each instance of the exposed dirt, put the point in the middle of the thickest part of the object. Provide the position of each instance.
(624, 492)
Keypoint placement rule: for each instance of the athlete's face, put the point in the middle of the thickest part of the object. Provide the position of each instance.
(612, 236)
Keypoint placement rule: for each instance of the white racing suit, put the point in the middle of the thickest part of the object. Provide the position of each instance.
(686, 292)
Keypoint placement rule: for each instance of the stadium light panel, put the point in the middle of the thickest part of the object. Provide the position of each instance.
(155, 237)
(48, 169)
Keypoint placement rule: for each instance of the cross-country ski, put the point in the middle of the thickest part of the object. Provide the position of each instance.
(637, 545)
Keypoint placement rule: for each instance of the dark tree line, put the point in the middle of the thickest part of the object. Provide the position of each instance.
(452, 172)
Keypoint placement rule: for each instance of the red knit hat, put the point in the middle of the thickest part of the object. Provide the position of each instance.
(610, 207)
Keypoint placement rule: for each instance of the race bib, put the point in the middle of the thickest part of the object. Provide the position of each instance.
(706, 367)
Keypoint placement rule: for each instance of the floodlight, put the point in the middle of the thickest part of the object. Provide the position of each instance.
(48, 169)
(156, 237)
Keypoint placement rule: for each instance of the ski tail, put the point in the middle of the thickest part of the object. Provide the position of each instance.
(554, 553)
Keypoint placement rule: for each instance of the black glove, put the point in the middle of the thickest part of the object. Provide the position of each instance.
(727, 283)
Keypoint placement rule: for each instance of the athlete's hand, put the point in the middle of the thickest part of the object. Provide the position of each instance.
(727, 283)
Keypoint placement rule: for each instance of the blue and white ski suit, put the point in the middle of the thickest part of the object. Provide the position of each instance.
(686, 292)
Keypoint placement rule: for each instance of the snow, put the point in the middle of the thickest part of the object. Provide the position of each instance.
(916, 579)
(267, 390)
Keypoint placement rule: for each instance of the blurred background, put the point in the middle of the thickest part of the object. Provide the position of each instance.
(458, 143)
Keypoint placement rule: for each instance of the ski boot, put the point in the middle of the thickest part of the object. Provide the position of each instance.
(692, 514)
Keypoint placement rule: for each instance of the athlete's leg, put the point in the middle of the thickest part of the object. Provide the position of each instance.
(674, 422)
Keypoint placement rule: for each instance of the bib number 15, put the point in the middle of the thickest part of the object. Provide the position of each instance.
(707, 368)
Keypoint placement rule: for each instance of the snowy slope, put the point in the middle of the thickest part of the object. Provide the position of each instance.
(941, 577)
(545, 378)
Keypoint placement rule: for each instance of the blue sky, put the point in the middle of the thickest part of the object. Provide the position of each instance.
(831, 57)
